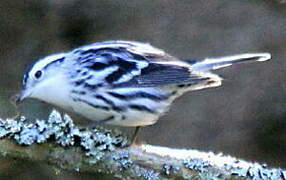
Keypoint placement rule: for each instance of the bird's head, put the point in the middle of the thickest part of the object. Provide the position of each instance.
(42, 78)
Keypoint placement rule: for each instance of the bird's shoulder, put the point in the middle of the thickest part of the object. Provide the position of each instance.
(135, 49)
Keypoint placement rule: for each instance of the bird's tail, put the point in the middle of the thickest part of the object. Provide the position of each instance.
(216, 63)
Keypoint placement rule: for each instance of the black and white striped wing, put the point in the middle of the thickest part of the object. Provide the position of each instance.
(160, 75)
(122, 67)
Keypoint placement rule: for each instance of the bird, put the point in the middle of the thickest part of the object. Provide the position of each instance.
(123, 83)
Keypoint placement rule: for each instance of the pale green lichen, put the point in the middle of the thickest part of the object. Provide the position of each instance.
(65, 133)
(255, 172)
(96, 142)
(196, 164)
(147, 174)
(168, 169)
(123, 160)
(238, 171)
(262, 172)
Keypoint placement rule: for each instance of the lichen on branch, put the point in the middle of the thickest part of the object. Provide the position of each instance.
(59, 142)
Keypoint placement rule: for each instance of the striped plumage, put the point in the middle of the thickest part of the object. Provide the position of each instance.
(120, 82)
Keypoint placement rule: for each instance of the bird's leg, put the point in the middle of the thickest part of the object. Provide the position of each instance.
(134, 137)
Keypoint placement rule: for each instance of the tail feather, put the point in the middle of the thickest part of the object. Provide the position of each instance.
(216, 63)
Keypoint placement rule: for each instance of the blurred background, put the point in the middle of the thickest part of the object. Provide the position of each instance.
(245, 118)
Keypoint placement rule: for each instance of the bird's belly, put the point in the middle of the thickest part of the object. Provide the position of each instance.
(128, 117)
(137, 108)
(91, 113)
(115, 118)
(135, 119)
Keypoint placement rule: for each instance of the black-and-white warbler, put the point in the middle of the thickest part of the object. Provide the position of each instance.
(119, 82)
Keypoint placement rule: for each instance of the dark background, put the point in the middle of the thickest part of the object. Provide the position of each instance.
(246, 117)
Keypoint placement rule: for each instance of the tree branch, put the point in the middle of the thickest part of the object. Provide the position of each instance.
(57, 141)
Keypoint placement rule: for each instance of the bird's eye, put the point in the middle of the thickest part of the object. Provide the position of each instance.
(38, 74)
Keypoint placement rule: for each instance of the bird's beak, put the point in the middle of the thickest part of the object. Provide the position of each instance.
(18, 98)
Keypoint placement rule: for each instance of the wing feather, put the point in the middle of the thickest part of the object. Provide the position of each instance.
(139, 65)
(159, 75)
